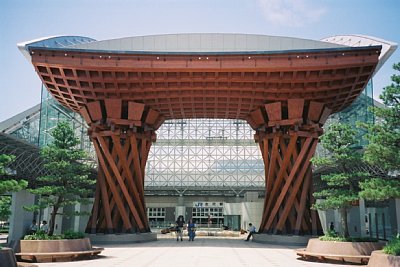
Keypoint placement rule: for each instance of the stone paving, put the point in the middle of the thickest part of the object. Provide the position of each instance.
(204, 252)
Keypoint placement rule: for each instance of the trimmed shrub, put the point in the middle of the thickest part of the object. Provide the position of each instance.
(73, 235)
(332, 236)
(393, 247)
(40, 235)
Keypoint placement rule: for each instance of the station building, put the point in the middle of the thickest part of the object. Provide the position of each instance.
(207, 169)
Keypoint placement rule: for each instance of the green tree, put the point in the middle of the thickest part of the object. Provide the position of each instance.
(341, 186)
(5, 203)
(383, 149)
(68, 181)
(7, 184)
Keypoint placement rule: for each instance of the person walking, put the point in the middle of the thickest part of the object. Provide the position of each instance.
(180, 222)
(251, 230)
(191, 230)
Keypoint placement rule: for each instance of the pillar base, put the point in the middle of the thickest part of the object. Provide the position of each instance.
(115, 239)
(287, 240)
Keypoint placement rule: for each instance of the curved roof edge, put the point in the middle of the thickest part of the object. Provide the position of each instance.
(356, 40)
(206, 43)
(187, 43)
(52, 42)
(209, 43)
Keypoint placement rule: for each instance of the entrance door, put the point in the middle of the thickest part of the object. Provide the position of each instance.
(232, 222)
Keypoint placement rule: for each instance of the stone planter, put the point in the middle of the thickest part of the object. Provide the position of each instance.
(379, 258)
(354, 252)
(7, 257)
(56, 250)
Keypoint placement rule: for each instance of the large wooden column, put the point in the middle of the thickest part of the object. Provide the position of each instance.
(119, 203)
(122, 134)
(287, 133)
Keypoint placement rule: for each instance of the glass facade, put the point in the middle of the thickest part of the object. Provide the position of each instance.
(29, 131)
(156, 214)
(359, 111)
(51, 113)
(211, 215)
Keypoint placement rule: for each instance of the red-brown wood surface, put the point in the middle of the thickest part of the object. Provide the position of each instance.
(215, 86)
(122, 148)
(286, 97)
(287, 151)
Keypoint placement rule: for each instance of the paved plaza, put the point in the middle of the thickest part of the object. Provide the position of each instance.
(204, 252)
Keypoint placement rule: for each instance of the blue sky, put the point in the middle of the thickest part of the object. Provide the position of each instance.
(23, 20)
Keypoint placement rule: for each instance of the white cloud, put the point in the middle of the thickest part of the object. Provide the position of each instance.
(295, 13)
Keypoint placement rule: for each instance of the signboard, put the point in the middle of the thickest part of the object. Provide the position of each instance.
(202, 204)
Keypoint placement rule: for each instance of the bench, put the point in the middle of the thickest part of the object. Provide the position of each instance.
(58, 256)
(56, 250)
(363, 259)
(25, 264)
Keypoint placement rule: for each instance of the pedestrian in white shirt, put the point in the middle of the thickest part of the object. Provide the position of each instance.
(44, 227)
(251, 230)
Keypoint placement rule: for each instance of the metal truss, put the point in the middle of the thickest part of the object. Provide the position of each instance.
(203, 157)
(28, 164)
(24, 126)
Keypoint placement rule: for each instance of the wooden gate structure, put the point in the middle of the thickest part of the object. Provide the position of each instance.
(124, 96)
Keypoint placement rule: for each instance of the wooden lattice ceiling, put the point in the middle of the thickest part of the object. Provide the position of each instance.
(215, 86)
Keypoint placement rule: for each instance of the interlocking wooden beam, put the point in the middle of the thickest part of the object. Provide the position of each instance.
(288, 140)
(122, 147)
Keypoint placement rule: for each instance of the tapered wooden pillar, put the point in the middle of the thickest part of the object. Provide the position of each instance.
(288, 180)
(122, 158)
(287, 133)
(122, 134)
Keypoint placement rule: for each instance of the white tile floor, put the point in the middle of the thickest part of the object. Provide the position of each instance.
(203, 252)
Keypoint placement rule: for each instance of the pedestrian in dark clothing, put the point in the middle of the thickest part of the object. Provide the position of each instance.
(32, 228)
(332, 227)
(191, 230)
(180, 222)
